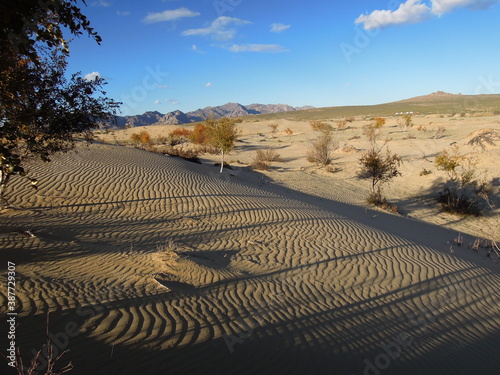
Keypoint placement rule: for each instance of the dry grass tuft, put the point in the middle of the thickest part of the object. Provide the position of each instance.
(169, 250)
(52, 359)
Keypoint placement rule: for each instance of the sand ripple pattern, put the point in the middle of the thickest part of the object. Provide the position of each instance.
(261, 284)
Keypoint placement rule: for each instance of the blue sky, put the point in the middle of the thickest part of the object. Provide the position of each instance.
(163, 55)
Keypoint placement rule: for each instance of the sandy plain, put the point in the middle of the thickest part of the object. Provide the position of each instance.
(151, 264)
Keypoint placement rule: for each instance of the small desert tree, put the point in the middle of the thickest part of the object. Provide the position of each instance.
(222, 135)
(380, 168)
(406, 121)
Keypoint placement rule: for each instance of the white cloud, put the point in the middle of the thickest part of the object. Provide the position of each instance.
(92, 76)
(169, 15)
(122, 13)
(271, 48)
(440, 7)
(157, 102)
(219, 29)
(279, 27)
(208, 84)
(196, 49)
(413, 11)
(171, 101)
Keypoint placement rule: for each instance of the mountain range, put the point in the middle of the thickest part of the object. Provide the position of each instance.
(226, 110)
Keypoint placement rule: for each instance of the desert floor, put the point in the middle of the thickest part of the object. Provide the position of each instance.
(151, 264)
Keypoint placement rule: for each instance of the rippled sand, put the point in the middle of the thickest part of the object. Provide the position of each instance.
(263, 280)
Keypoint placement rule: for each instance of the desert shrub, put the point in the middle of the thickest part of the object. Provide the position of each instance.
(174, 140)
(142, 138)
(462, 192)
(422, 128)
(182, 132)
(379, 122)
(320, 126)
(439, 132)
(321, 149)
(269, 155)
(274, 127)
(458, 201)
(189, 154)
(409, 136)
(380, 168)
(350, 119)
(371, 132)
(260, 165)
(425, 172)
(263, 158)
(459, 167)
(199, 134)
(288, 131)
(377, 199)
(135, 138)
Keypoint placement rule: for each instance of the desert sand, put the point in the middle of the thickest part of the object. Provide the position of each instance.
(151, 264)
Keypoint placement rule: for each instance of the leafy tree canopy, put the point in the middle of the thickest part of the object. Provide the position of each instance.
(40, 109)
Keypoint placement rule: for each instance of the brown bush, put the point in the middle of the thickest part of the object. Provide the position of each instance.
(371, 132)
(142, 138)
(439, 132)
(263, 158)
(182, 132)
(199, 134)
(288, 131)
(321, 150)
(268, 155)
(260, 165)
(320, 126)
(379, 122)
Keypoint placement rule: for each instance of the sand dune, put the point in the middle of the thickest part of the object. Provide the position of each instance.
(263, 280)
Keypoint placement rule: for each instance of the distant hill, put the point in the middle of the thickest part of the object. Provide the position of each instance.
(227, 110)
(436, 103)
